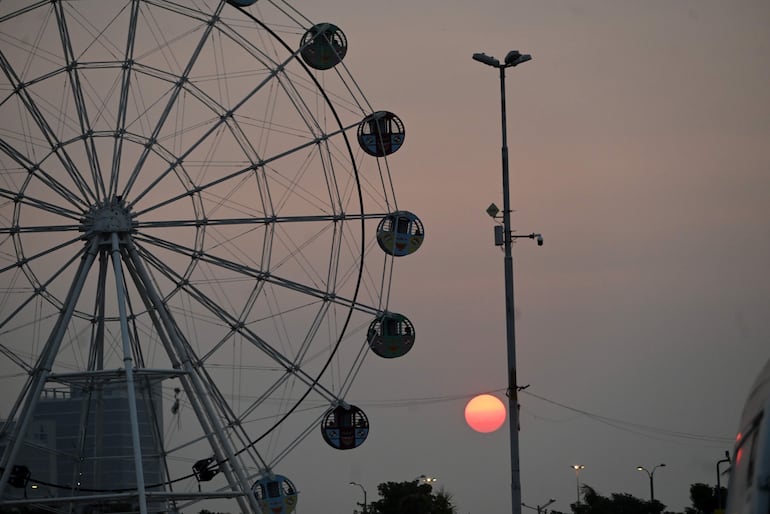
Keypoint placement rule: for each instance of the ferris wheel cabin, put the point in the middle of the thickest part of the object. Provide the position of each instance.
(345, 427)
(391, 335)
(276, 494)
(400, 233)
(381, 133)
(323, 46)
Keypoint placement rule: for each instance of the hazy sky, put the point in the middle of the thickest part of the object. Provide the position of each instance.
(638, 142)
(639, 148)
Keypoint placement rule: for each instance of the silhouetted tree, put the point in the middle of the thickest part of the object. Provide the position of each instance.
(617, 503)
(411, 498)
(704, 499)
(443, 503)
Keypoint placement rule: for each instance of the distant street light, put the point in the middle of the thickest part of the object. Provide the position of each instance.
(719, 481)
(423, 479)
(513, 58)
(651, 474)
(577, 468)
(539, 508)
(364, 490)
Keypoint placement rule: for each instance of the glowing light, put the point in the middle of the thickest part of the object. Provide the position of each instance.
(485, 413)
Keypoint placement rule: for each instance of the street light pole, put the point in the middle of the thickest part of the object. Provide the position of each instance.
(513, 58)
(577, 468)
(651, 475)
(364, 490)
(539, 508)
(719, 481)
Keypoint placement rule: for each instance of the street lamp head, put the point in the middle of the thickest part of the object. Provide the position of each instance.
(539, 239)
(640, 468)
(486, 59)
(514, 58)
(578, 467)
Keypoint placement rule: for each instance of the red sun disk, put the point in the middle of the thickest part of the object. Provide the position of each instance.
(485, 413)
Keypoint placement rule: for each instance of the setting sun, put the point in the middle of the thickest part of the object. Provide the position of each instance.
(485, 413)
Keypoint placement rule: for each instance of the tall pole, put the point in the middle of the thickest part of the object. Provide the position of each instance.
(513, 58)
(651, 475)
(577, 468)
(510, 328)
(652, 489)
(719, 481)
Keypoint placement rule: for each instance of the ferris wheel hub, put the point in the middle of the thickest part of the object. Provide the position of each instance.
(112, 216)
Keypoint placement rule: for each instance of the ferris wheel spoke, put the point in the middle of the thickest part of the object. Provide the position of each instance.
(225, 119)
(54, 143)
(39, 229)
(183, 9)
(220, 313)
(247, 271)
(80, 103)
(35, 170)
(27, 260)
(26, 8)
(290, 366)
(177, 89)
(203, 300)
(255, 273)
(14, 196)
(13, 357)
(125, 87)
(39, 288)
(312, 427)
(261, 164)
(254, 220)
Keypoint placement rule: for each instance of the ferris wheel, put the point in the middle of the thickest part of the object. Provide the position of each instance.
(198, 229)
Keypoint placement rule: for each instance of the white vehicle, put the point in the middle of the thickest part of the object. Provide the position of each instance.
(749, 488)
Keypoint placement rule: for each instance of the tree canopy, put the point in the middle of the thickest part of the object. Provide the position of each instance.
(704, 500)
(616, 503)
(411, 498)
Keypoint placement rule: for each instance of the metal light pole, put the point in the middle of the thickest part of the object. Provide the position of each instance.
(539, 508)
(364, 490)
(651, 474)
(514, 58)
(577, 468)
(719, 481)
